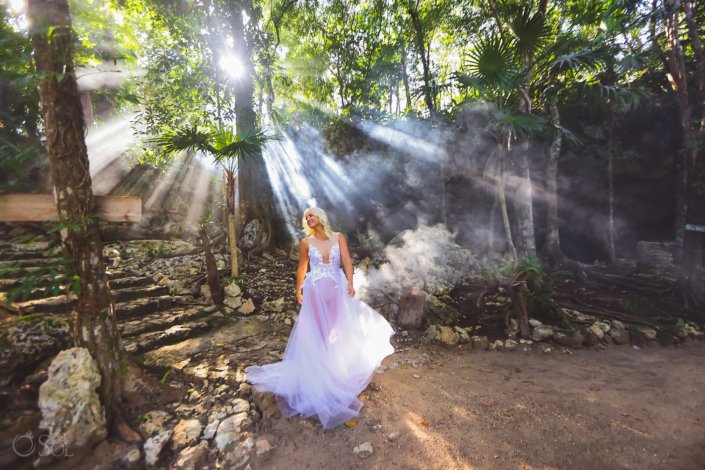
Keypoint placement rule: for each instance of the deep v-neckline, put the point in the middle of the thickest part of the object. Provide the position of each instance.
(321, 254)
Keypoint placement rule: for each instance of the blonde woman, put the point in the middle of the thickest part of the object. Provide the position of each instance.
(336, 344)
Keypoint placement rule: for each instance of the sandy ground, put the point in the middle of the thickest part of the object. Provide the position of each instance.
(649, 413)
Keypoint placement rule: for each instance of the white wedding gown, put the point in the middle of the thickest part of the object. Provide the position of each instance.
(335, 347)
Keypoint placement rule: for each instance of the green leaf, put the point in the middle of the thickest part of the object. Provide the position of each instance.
(509, 414)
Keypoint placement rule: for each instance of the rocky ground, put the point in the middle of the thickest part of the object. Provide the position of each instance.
(463, 392)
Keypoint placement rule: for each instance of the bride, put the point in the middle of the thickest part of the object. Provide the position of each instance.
(337, 342)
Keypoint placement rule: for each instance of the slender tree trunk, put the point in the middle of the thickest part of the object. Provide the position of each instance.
(405, 77)
(211, 269)
(610, 230)
(255, 189)
(503, 199)
(424, 54)
(94, 322)
(552, 246)
(681, 175)
(230, 182)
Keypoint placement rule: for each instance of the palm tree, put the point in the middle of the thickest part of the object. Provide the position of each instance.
(226, 147)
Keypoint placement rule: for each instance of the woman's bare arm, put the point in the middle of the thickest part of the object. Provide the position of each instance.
(303, 266)
(347, 262)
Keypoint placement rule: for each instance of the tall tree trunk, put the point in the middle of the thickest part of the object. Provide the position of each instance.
(502, 197)
(94, 322)
(405, 77)
(230, 182)
(552, 246)
(526, 238)
(696, 44)
(610, 229)
(255, 189)
(689, 276)
(681, 176)
(424, 54)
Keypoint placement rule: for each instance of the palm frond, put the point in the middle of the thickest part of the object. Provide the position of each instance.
(233, 147)
(491, 62)
(581, 60)
(184, 139)
(622, 98)
(515, 122)
(529, 30)
(633, 62)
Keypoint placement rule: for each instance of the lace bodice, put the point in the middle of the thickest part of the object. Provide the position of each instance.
(324, 259)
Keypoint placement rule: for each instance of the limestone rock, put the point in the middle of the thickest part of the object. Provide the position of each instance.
(432, 332)
(274, 306)
(263, 446)
(364, 450)
(229, 430)
(249, 234)
(619, 336)
(568, 338)
(499, 345)
(210, 430)
(70, 405)
(463, 336)
(206, 292)
(266, 402)
(233, 302)
(154, 445)
(597, 330)
(232, 290)
(239, 405)
(589, 336)
(27, 341)
(234, 459)
(186, 434)
(648, 333)
(541, 332)
(437, 311)
(154, 424)
(510, 345)
(393, 436)
(247, 308)
(132, 457)
(448, 337)
(191, 458)
(603, 326)
(656, 255)
(479, 343)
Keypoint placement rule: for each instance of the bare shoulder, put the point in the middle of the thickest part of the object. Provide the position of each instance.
(341, 238)
(304, 242)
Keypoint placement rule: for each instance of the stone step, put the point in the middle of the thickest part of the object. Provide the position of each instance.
(8, 284)
(120, 295)
(173, 334)
(141, 307)
(17, 246)
(11, 255)
(139, 292)
(30, 262)
(130, 281)
(163, 320)
(54, 305)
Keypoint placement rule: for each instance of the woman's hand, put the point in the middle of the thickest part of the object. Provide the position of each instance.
(351, 290)
(299, 296)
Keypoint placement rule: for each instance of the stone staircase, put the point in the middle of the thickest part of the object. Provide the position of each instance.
(148, 316)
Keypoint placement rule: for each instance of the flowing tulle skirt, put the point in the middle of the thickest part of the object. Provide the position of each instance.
(335, 347)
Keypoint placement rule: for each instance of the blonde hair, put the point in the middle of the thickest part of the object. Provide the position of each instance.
(322, 217)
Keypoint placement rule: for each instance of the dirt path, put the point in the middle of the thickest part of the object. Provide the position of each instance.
(649, 413)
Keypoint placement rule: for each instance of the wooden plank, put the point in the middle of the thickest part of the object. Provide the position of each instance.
(695, 228)
(40, 207)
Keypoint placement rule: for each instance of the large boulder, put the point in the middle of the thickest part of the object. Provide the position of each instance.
(655, 255)
(70, 406)
(426, 258)
(26, 341)
(569, 338)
